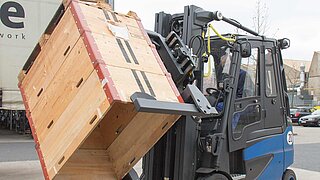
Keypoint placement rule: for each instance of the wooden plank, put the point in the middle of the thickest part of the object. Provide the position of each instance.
(108, 45)
(143, 131)
(145, 57)
(127, 19)
(44, 39)
(95, 140)
(87, 164)
(135, 33)
(75, 124)
(50, 59)
(111, 126)
(159, 84)
(84, 176)
(21, 76)
(95, 19)
(116, 121)
(162, 88)
(97, 4)
(72, 74)
(113, 55)
(125, 89)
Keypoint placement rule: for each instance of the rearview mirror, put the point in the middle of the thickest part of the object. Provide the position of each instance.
(284, 43)
(245, 49)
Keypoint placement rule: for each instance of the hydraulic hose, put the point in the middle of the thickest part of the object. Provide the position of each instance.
(207, 54)
(208, 51)
(220, 36)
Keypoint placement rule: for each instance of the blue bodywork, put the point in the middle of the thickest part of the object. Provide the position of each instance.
(281, 150)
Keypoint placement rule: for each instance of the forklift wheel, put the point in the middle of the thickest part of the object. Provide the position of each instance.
(215, 176)
(132, 175)
(289, 175)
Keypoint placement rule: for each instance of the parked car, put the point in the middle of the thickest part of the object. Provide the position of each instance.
(300, 112)
(312, 119)
(293, 112)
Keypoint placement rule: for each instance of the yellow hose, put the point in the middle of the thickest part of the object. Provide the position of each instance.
(209, 48)
(220, 36)
(207, 53)
(208, 74)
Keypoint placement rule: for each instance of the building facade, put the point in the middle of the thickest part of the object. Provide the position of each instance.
(293, 71)
(314, 78)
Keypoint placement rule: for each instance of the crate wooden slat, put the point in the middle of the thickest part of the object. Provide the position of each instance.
(76, 87)
(88, 164)
(41, 73)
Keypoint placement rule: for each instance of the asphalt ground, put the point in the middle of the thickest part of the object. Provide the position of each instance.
(15, 147)
(18, 158)
(307, 152)
(19, 161)
(18, 151)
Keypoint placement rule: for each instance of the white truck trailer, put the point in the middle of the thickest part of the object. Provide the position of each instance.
(21, 24)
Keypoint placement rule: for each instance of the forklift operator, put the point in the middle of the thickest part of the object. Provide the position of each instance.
(223, 69)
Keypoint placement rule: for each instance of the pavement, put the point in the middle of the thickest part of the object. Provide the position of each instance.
(303, 174)
(17, 151)
(306, 145)
(18, 158)
(19, 161)
(21, 170)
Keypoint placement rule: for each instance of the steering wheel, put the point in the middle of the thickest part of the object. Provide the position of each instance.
(213, 91)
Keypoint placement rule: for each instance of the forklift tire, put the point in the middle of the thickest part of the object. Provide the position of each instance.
(289, 175)
(132, 175)
(215, 176)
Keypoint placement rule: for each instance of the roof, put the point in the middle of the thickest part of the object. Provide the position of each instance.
(297, 63)
(315, 69)
(292, 75)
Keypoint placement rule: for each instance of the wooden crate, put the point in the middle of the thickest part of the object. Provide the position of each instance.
(76, 87)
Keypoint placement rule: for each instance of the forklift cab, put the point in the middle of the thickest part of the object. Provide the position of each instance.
(249, 135)
(249, 91)
(259, 89)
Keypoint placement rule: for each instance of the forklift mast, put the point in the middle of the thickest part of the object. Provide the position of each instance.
(225, 126)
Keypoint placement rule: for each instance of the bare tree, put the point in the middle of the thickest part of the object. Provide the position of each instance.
(260, 18)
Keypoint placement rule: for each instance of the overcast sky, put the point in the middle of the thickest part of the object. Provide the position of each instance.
(295, 19)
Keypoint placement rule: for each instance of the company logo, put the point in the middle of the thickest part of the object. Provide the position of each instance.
(290, 138)
(9, 12)
(12, 17)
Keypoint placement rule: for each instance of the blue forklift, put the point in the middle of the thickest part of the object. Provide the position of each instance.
(235, 120)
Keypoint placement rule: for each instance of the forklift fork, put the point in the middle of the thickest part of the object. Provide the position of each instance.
(198, 105)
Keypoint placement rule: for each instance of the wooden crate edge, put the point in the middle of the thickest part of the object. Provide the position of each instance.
(45, 36)
(95, 56)
(34, 134)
